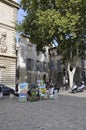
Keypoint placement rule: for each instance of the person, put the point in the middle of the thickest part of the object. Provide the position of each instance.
(56, 87)
(29, 92)
(51, 89)
(47, 85)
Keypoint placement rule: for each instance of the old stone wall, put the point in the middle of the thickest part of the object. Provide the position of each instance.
(26, 53)
(8, 16)
(7, 71)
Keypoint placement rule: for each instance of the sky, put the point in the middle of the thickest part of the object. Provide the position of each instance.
(21, 13)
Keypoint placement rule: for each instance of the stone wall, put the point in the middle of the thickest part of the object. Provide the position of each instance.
(8, 16)
(26, 51)
(7, 70)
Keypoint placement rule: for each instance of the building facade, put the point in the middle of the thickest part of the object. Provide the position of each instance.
(56, 68)
(58, 72)
(30, 66)
(8, 17)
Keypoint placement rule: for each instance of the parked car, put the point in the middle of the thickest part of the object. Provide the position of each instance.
(6, 90)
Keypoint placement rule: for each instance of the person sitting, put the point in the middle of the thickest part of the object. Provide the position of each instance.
(29, 92)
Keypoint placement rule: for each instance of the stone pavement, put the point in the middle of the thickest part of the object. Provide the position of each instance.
(68, 93)
(65, 113)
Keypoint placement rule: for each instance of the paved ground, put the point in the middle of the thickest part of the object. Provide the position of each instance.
(65, 113)
(68, 93)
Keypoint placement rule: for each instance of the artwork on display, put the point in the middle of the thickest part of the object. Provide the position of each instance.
(40, 82)
(23, 88)
(42, 88)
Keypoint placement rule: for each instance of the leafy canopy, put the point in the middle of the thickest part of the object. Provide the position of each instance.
(55, 21)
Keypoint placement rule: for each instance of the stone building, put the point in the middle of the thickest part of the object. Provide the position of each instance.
(56, 68)
(30, 66)
(58, 72)
(8, 17)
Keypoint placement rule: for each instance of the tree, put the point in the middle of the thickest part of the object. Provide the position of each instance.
(63, 22)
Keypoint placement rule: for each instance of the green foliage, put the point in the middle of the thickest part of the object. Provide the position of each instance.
(61, 20)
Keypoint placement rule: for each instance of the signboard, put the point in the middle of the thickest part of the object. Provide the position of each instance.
(23, 92)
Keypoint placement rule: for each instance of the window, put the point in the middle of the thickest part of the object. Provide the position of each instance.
(38, 65)
(60, 78)
(59, 65)
(30, 64)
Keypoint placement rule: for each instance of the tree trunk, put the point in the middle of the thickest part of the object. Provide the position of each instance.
(71, 75)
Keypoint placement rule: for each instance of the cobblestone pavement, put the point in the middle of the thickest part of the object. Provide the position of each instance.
(65, 113)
